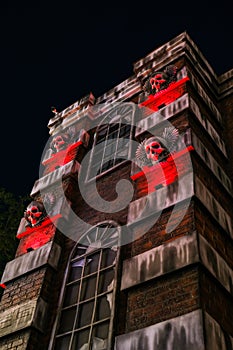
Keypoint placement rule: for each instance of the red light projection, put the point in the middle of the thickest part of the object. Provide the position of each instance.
(35, 237)
(162, 174)
(2, 285)
(62, 157)
(165, 96)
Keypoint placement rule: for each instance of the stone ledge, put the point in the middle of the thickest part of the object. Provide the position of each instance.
(183, 332)
(174, 255)
(47, 254)
(31, 313)
(160, 260)
(155, 202)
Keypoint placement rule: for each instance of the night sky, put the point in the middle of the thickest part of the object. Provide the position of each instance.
(54, 55)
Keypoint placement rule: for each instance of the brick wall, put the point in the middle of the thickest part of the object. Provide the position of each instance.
(213, 233)
(22, 289)
(157, 234)
(216, 300)
(163, 298)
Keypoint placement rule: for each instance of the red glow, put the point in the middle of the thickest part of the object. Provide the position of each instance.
(35, 237)
(2, 285)
(162, 174)
(45, 223)
(60, 158)
(166, 96)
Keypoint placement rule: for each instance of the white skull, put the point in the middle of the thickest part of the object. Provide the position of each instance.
(157, 81)
(34, 213)
(153, 150)
(59, 142)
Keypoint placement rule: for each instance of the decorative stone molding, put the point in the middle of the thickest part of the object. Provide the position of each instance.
(216, 210)
(31, 313)
(76, 107)
(216, 264)
(47, 254)
(51, 178)
(162, 198)
(159, 261)
(164, 113)
(182, 332)
(211, 162)
(215, 338)
(179, 105)
(208, 126)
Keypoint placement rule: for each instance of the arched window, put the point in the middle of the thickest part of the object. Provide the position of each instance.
(85, 320)
(112, 144)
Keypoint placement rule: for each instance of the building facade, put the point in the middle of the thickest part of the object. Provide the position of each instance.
(127, 243)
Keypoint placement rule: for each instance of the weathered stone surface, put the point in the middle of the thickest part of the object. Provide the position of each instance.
(75, 108)
(215, 338)
(164, 113)
(208, 126)
(183, 332)
(18, 340)
(216, 264)
(56, 176)
(24, 315)
(202, 93)
(48, 254)
(211, 162)
(160, 260)
(226, 84)
(155, 202)
(218, 212)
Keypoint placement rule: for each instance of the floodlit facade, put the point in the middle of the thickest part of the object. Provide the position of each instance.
(127, 243)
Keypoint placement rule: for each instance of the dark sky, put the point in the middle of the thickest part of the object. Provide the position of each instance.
(54, 55)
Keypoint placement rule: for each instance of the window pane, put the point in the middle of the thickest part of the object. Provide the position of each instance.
(108, 257)
(103, 307)
(113, 135)
(109, 150)
(88, 288)
(98, 344)
(92, 264)
(125, 130)
(103, 130)
(101, 331)
(95, 169)
(107, 165)
(80, 339)
(85, 314)
(76, 270)
(62, 343)
(104, 135)
(88, 294)
(71, 294)
(105, 280)
(67, 320)
(122, 154)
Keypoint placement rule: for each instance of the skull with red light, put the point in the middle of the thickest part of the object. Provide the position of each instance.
(157, 82)
(160, 80)
(35, 213)
(59, 142)
(156, 150)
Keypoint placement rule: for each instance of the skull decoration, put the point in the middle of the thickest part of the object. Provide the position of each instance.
(158, 81)
(35, 213)
(59, 142)
(157, 149)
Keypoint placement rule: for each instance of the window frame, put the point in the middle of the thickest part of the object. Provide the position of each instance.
(97, 295)
(117, 115)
